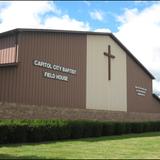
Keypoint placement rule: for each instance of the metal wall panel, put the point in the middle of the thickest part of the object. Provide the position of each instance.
(7, 50)
(25, 83)
(137, 77)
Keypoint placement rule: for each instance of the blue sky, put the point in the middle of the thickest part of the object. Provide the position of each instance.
(135, 23)
(109, 9)
(85, 11)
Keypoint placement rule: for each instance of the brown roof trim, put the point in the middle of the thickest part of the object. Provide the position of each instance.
(50, 31)
(82, 32)
(156, 97)
(7, 33)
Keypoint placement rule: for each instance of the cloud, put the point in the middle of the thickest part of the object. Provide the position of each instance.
(156, 87)
(30, 14)
(87, 3)
(102, 30)
(97, 15)
(65, 22)
(129, 14)
(24, 14)
(140, 32)
(140, 1)
(3, 4)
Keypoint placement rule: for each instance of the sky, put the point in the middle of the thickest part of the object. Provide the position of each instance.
(135, 23)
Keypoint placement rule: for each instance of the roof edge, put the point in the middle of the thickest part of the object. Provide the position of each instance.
(52, 30)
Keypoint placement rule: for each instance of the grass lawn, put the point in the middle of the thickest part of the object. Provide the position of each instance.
(126, 146)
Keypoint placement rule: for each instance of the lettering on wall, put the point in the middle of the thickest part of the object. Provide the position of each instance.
(54, 67)
(140, 91)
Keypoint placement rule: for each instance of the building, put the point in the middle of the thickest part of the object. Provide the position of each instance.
(73, 69)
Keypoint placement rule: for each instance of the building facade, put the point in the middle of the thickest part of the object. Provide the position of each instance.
(71, 69)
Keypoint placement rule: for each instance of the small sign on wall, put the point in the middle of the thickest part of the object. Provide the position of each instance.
(140, 91)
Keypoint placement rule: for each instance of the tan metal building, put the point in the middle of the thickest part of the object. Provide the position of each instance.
(73, 69)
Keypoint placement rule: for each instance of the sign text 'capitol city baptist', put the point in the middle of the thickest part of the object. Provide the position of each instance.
(54, 67)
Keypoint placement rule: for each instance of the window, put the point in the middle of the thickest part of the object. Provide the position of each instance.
(8, 50)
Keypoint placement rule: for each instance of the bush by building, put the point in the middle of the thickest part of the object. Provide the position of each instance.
(18, 131)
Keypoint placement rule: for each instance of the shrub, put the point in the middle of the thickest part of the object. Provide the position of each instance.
(108, 128)
(16, 131)
(63, 130)
(147, 127)
(4, 131)
(92, 129)
(97, 129)
(128, 127)
(12, 133)
(77, 128)
(119, 128)
(155, 126)
(137, 127)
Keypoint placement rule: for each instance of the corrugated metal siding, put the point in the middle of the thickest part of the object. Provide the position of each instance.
(137, 77)
(26, 85)
(7, 50)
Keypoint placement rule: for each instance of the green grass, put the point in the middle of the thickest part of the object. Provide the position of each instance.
(139, 146)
